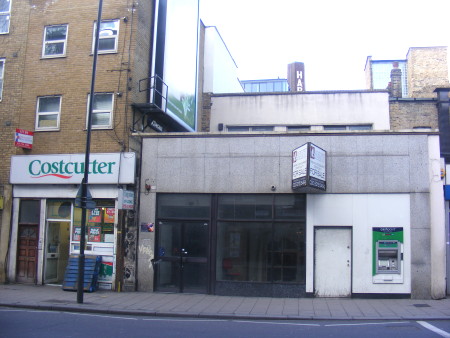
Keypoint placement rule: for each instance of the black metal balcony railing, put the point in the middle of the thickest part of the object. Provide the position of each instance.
(156, 106)
(157, 91)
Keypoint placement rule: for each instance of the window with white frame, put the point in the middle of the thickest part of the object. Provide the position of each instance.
(102, 109)
(48, 112)
(55, 41)
(2, 68)
(5, 15)
(108, 37)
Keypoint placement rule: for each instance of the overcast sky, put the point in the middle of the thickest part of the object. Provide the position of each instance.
(332, 38)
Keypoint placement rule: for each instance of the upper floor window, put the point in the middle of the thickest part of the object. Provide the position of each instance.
(249, 128)
(2, 67)
(298, 128)
(48, 112)
(349, 127)
(5, 14)
(55, 41)
(360, 127)
(108, 37)
(102, 110)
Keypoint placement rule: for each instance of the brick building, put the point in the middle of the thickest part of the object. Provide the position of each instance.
(46, 66)
(411, 83)
(46, 56)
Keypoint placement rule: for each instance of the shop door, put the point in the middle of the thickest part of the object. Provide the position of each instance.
(332, 262)
(27, 253)
(56, 251)
(182, 257)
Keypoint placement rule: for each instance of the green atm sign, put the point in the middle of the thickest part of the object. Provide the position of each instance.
(385, 237)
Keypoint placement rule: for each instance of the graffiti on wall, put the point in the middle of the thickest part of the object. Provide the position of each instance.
(146, 252)
(130, 254)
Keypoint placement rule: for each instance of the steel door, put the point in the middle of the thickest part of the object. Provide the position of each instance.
(332, 262)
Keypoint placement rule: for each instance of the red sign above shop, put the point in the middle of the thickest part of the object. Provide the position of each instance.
(23, 139)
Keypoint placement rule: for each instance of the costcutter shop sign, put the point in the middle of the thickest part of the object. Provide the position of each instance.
(309, 168)
(69, 168)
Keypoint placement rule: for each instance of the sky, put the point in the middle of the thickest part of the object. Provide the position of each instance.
(332, 38)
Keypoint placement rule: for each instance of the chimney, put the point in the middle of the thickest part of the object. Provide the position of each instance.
(296, 77)
(395, 88)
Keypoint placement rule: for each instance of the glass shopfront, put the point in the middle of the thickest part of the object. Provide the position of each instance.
(240, 240)
(100, 237)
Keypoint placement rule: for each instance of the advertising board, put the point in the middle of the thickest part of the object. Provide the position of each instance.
(308, 168)
(176, 57)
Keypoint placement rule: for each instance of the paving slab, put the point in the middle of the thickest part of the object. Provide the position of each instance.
(53, 298)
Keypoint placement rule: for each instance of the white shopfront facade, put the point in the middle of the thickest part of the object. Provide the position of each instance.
(46, 222)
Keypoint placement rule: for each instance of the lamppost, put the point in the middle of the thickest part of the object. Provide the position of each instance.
(84, 182)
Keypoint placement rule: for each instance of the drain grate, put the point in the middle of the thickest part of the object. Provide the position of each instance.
(421, 305)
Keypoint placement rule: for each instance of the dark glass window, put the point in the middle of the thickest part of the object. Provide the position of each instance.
(242, 251)
(184, 206)
(262, 128)
(360, 127)
(287, 253)
(290, 206)
(261, 238)
(238, 128)
(245, 207)
(29, 211)
(334, 128)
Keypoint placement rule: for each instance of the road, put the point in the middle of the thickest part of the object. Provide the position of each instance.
(33, 323)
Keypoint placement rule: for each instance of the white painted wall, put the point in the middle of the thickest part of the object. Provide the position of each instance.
(437, 221)
(220, 70)
(362, 212)
(302, 108)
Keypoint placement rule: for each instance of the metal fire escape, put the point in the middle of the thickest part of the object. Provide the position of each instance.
(153, 114)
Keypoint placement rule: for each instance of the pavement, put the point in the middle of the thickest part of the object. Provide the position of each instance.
(53, 298)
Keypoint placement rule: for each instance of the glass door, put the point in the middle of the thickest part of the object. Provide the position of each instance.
(182, 257)
(56, 251)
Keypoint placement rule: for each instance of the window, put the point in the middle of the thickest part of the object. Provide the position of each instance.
(102, 109)
(261, 238)
(360, 127)
(247, 128)
(237, 128)
(351, 127)
(109, 32)
(334, 128)
(55, 40)
(5, 14)
(2, 67)
(298, 128)
(48, 112)
(99, 223)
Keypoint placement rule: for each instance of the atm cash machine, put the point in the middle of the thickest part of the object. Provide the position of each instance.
(387, 255)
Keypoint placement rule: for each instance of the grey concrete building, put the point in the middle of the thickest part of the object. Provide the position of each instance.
(219, 215)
